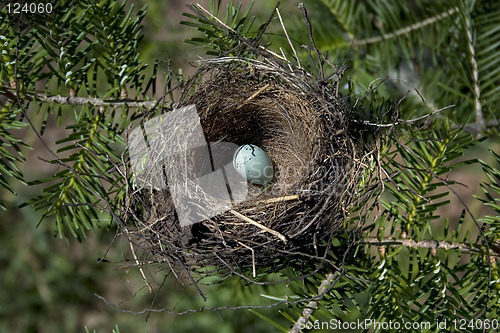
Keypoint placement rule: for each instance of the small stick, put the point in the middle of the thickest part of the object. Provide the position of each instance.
(255, 94)
(140, 266)
(310, 30)
(313, 305)
(426, 244)
(73, 100)
(475, 75)
(408, 29)
(288, 62)
(279, 199)
(254, 274)
(257, 224)
(406, 121)
(288, 38)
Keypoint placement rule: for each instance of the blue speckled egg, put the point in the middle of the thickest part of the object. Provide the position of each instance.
(253, 164)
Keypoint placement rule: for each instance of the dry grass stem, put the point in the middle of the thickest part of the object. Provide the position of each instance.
(258, 225)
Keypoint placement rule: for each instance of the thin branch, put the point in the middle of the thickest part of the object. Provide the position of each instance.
(475, 75)
(278, 199)
(368, 92)
(288, 38)
(406, 121)
(255, 94)
(200, 309)
(192, 280)
(424, 244)
(315, 48)
(140, 266)
(95, 101)
(407, 29)
(254, 271)
(312, 305)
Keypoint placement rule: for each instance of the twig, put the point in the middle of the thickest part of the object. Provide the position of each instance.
(287, 61)
(263, 28)
(288, 38)
(315, 48)
(408, 29)
(192, 280)
(475, 76)
(312, 305)
(368, 92)
(257, 224)
(139, 265)
(278, 199)
(406, 121)
(424, 244)
(255, 94)
(254, 272)
(95, 101)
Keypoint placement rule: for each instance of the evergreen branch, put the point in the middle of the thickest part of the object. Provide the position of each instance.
(475, 75)
(427, 244)
(403, 31)
(312, 305)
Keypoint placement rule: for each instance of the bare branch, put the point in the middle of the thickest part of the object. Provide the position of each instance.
(406, 121)
(407, 29)
(425, 244)
(312, 305)
(315, 48)
(475, 75)
(95, 101)
(140, 267)
(288, 38)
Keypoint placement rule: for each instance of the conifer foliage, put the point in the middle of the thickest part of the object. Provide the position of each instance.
(79, 64)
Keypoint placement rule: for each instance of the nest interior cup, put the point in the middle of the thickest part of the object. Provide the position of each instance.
(303, 128)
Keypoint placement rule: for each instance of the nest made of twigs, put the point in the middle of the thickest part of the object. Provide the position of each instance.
(302, 124)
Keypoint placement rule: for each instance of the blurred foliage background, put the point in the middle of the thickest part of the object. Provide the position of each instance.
(50, 284)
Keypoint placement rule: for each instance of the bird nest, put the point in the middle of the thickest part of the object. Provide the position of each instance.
(302, 125)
